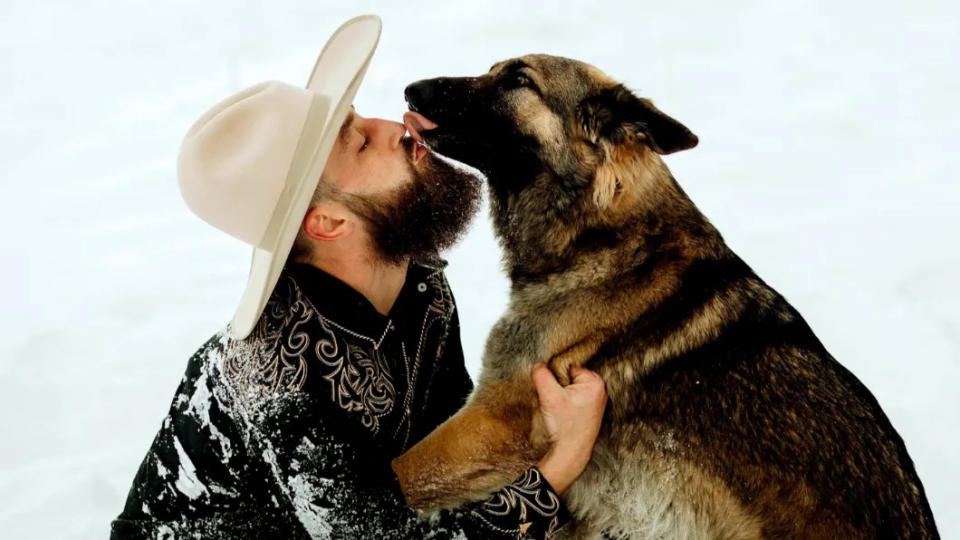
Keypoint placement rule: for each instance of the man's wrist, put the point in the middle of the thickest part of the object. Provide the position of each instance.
(561, 468)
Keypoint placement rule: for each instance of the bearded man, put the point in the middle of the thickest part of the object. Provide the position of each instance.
(345, 350)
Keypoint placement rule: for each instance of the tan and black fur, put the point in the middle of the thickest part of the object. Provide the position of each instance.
(727, 417)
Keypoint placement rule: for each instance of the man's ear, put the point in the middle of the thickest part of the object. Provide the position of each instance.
(326, 223)
(616, 114)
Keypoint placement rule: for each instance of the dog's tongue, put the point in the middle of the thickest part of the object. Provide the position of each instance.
(415, 123)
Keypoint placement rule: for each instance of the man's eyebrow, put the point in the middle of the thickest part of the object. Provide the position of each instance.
(345, 128)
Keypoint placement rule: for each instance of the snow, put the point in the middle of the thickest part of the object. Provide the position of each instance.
(187, 481)
(827, 159)
(309, 514)
(200, 408)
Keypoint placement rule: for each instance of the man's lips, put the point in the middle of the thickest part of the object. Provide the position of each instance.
(415, 123)
(418, 151)
(415, 150)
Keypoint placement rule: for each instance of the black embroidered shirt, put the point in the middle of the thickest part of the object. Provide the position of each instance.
(289, 433)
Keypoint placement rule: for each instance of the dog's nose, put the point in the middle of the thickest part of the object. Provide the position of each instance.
(418, 93)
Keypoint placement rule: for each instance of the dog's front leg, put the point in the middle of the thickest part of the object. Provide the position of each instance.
(483, 447)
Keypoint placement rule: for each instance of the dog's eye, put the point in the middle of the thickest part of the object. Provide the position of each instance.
(519, 80)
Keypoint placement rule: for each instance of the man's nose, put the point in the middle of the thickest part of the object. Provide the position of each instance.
(391, 132)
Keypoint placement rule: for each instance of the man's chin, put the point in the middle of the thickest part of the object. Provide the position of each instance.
(426, 216)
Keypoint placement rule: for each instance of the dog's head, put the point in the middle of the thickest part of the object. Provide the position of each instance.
(542, 115)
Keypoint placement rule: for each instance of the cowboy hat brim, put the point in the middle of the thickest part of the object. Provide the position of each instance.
(335, 79)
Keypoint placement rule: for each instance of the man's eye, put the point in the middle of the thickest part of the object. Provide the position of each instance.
(364, 145)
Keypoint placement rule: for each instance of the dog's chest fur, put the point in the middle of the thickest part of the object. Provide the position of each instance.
(637, 484)
(648, 491)
(515, 343)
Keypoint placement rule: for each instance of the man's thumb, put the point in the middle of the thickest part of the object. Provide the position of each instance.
(546, 383)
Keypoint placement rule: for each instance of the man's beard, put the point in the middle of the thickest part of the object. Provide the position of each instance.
(422, 217)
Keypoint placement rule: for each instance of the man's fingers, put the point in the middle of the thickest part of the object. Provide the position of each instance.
(583, 375)
(590, 382)
(546, 383)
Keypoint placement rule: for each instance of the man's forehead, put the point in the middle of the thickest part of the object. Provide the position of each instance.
(347, 122)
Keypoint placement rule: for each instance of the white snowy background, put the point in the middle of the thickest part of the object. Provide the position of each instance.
(828, 158)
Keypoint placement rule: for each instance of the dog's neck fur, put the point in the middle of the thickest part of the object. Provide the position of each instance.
(567, 258)
(555, 226)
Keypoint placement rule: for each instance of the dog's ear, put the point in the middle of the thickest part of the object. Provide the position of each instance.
(616, 114)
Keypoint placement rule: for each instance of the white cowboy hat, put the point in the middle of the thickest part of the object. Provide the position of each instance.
(250, 165)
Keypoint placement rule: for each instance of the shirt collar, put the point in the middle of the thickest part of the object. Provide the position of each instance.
(340, 303)
(350, 311)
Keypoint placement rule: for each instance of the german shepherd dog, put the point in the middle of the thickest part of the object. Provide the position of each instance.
(727, 416)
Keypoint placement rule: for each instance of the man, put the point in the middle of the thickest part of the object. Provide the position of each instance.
(345, 350)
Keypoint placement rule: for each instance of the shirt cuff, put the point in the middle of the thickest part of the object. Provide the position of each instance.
(529, 507)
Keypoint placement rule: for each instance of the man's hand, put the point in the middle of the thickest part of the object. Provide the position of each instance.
(572, 416)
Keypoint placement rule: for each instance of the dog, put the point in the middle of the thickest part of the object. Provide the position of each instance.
(727, 417)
